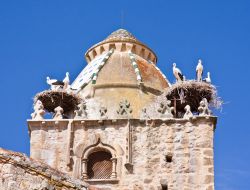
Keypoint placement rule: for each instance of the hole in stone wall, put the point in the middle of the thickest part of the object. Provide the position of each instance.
(164, 184)
(133, 49)
(164, 187)
(111, 46)
(88, 57)
(168, 158)
(94, 53)
(102, 49)
(142, 52)
(123, 47)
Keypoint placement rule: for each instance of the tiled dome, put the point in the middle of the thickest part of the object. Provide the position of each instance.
(120, 67)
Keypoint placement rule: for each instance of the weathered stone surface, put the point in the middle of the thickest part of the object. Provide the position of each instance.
(18, 172)
(192, 153)
(208, 161)
(147, 180)
(208, 179)
(208, 153)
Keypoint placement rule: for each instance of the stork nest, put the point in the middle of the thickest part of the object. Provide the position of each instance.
(191, 93)
(54, 98)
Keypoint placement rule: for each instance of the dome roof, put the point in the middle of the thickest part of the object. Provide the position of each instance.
(121, 68)
(119, 36)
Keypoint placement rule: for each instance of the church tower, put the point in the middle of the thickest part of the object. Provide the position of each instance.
(122, 125)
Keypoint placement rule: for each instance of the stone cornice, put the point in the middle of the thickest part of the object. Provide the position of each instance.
(86, 122)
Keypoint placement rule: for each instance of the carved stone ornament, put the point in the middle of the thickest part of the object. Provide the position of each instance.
(39, 112)
(58, 113)
(203, 108)
(144, 114)
(81, 113)
(124, 108)
(103, 112)
(188, 112)
(165, 109)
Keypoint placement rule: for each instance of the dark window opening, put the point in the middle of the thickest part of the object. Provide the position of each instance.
(164, 187)
(168, 158)
(102, 49)
(99, 165)
(111, 46)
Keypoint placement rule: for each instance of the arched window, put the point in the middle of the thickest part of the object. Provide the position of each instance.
(99, 165)
(99, 162)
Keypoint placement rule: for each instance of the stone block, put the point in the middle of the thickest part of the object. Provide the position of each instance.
(208, 161)
(209, 179)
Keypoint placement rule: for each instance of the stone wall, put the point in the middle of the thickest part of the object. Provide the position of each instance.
(49, 143)
(18, 172)
(150, 154)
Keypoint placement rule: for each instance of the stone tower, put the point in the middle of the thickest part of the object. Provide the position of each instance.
(122, 125)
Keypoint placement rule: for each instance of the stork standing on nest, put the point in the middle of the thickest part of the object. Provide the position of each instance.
(54, 83)
(208, 79)
(57, 84)
(199, 71)
(66, 82)
(177, 73)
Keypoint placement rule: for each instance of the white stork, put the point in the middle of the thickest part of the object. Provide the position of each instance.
(208, 79)
(66, 81)
(177, 73)
(54, 83)
(199, 71)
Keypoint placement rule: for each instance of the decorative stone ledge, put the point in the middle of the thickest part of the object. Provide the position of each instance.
(98, 122)
(98, 181)
(114, 120)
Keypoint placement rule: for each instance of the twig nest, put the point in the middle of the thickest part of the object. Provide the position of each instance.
(191, 93)
(54, 98)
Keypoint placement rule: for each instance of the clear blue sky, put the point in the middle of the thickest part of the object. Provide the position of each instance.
(44, 37)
